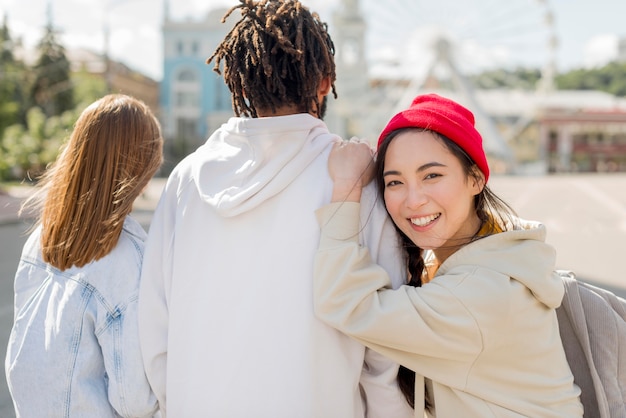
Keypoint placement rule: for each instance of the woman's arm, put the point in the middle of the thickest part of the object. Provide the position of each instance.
(352, 294)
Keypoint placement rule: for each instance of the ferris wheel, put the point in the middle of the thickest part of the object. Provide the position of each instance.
(408, 36)
(418, 40)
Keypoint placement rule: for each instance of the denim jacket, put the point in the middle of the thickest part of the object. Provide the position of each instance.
(74, 347)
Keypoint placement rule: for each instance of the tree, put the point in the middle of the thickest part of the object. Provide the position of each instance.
(52, 90)
(519, 78)
(88, 87)
(26, 150)
(610, 78)
(13, 80)
(6, 52)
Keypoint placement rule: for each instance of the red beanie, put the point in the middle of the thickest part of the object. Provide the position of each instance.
(442, 115)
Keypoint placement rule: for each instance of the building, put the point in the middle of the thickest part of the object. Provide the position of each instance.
(115, 76)
(558, 131)
(118, 78)
(588, 140)
(347, 114)
(194, 100)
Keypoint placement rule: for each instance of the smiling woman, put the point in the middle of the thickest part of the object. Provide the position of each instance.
(421, 169)
(475, 326)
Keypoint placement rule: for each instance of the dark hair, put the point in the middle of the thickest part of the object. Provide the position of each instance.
(489, 207)
(276, 54)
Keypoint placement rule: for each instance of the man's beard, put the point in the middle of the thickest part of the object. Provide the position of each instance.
(321, 111)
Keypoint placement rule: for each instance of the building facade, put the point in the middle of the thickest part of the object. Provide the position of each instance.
(346, 114)
(194, 100)
(584, 141)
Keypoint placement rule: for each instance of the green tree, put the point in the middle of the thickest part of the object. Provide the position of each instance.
(519, 78)
(26, 150)
(13, 79)
(88, 87)
(52, 89)
(610, 78)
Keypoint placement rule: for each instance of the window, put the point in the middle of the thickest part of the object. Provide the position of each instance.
(187, 128)
(187, 75)
(350, 53)
(187, 99)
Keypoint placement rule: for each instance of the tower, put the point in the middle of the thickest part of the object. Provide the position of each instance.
(166, 11)
(352, 76)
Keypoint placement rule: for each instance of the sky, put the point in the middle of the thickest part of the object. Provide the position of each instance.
(485, 33)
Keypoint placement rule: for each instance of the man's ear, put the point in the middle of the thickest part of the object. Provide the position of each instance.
(324, 87)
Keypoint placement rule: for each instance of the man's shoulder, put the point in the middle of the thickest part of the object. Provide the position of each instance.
(371, 200)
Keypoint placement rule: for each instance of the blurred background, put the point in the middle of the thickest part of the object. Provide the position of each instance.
(545, 79)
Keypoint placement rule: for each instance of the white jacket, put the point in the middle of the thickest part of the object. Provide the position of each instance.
(226, 307)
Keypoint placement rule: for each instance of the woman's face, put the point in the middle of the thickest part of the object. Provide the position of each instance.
(427, 193)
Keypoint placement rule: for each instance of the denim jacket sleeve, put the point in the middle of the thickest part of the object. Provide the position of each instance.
(128, 390)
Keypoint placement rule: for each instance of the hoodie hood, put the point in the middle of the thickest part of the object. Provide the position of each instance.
(522, 255)
(249, 160)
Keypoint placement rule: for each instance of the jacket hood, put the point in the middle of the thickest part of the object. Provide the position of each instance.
(522, 255)
(249, 160)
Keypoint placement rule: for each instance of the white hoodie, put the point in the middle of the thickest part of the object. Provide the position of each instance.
(226, 308)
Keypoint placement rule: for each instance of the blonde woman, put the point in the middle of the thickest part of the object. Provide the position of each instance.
(74, 349)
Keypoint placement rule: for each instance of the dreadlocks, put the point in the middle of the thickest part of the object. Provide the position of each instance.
(276, 55)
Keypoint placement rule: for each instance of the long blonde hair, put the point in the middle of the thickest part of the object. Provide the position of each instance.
(83, 198)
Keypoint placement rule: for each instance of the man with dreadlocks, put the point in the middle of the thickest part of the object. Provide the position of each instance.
(225, 309)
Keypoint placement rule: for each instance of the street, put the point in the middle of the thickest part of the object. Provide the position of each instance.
(13, 239)
(585, 217)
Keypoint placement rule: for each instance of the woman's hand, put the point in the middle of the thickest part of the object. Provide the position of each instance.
(351, 166)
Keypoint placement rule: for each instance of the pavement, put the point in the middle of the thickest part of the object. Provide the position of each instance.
(11, 199)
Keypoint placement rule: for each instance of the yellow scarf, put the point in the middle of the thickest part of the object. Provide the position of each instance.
(490, 227)
(431, 265)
